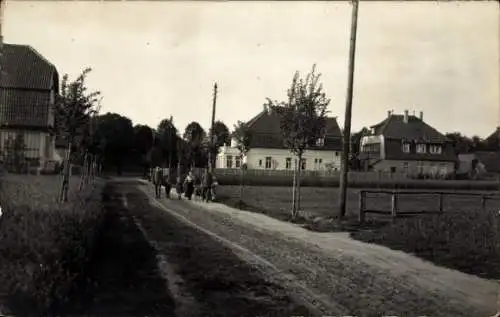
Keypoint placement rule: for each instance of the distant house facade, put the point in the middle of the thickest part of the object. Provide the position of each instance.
(268, 151)
(29, 84)
(406, 144)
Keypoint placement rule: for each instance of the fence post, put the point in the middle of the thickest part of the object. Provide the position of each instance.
(394, 205)
(441, 202)
(362, 206)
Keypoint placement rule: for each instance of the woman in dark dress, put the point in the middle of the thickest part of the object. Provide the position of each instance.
(189, 185)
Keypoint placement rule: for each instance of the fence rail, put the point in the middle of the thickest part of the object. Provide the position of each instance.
(395, 195)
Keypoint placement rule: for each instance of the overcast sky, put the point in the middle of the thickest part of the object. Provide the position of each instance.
(156, 59)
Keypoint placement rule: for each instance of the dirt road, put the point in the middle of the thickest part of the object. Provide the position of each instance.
(218, 261)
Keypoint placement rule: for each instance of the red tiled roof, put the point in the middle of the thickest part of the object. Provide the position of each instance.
(266, 132)
(26, 82)
(23, 67)
(394, 127)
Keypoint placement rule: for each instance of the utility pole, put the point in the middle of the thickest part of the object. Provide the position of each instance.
(348, 113)
(170, 141)
(211, 134)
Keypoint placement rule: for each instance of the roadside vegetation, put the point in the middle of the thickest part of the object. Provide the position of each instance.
(44, 244)
(464, 237)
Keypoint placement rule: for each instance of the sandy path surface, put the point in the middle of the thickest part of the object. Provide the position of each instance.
(339, 275)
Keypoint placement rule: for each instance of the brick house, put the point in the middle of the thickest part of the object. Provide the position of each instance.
(28, 87)
(267, 149)
(406, 144)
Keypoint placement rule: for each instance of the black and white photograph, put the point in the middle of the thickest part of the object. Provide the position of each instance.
(249, 158)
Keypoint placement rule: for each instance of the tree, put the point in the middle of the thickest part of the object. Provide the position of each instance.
(74, 106)
(302, 121)
(89, 148)
(461, 143)
(221, 136)
(194, 135)
(243, 138)
(143, 143)
(356, 138)
(117, 140)
(167, 135)
(15, 158)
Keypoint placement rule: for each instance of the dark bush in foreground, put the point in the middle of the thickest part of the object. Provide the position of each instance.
(43, 250)
(465, 241)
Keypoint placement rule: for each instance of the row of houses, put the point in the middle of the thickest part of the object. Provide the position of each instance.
(399, 143)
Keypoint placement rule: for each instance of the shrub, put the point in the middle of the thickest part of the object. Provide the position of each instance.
(43, 249)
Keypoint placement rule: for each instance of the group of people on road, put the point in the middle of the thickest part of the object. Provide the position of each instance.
(205, 188)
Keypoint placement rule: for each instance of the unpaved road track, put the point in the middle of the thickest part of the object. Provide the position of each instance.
(218, 261)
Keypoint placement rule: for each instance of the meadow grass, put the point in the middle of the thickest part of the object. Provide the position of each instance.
(43, 245)
(465, 237)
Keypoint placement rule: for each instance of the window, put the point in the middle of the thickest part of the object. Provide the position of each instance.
(320, 142)
(435, 149)
(268, 162)
(336, 153)
(320, 161)
(288, 163)
(260, 163)
(229, 161)
(303, 164)
(406, 147)
(421, 148)
(237, 161)
(393, 169)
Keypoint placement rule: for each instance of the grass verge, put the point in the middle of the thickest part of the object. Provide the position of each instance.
(463, 238)
(44, 246)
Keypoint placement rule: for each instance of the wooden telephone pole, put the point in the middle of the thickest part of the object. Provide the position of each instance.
(211, 134)
(170, 141)
(348, 113)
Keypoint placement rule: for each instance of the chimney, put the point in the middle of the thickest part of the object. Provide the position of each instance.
(422, 115)
(406, 117)
(264, 106)
(388, 113)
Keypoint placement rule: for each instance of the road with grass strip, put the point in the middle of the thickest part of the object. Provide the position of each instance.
(216, 261)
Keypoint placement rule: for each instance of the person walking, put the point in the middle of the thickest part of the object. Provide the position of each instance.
(207, 186)
(167, 183)
(178, 188)
(189, 185)
(158, 180)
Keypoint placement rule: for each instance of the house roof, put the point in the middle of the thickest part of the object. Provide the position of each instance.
(394, 127)
(24, 68)
(266, 132)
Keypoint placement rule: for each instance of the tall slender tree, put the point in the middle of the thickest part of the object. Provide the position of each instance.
(303, 121)
(194, 136)
(243, 137)
(74, 106)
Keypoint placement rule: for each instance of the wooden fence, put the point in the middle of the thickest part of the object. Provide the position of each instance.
(396, 212)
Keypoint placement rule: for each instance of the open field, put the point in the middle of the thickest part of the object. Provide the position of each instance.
(323, 202)
(464, 237)
(33, 190)
(44, 245)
